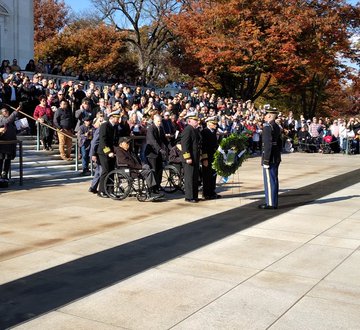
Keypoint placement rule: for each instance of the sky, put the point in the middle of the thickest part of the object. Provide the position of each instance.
(79, 5)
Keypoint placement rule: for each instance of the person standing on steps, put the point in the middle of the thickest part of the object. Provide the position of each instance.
(63, 121)
(44, 114)
(7, 151)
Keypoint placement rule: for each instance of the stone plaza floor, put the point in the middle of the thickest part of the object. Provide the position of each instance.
(71, 260)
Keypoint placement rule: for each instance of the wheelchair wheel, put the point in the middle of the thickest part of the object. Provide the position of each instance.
(171, 179)
(117, 185)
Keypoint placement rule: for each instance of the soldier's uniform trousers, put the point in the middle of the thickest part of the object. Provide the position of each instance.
(191, 180)
(271, 184)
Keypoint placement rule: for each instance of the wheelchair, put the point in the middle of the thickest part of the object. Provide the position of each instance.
(123, 182)
(172, 179)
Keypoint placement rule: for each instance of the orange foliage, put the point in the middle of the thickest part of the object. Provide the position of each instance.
(95, 48)
(290, 40)
(50, 16)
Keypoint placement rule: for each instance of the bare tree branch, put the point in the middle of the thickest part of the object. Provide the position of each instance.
(145, 22)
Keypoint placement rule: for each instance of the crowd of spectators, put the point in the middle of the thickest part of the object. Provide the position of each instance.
(41, 97)
(49, 66)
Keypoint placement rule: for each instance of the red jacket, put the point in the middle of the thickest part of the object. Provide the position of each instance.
(41, 111)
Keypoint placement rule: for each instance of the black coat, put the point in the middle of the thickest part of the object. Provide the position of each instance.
(6, 94)
(63, 119)
(168, 126)
(209, 144)
(191, 143)
(271, 143)
(9, 135)
(155, 141)
(107, 138)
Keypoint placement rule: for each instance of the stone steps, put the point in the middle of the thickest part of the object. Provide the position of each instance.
(42, 165)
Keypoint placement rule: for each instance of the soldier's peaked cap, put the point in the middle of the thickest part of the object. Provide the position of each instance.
(273, 111)
(192, 115)
(213, 120)
(114, 114)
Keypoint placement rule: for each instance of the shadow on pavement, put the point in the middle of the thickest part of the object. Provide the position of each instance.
(39, 293)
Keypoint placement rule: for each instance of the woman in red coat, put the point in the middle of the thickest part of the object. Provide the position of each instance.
(44, 115)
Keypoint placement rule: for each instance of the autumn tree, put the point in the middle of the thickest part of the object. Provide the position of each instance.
(50, 16)
(324, 43)
(242, 45)
(148, 34)
(344, 97)
(96, 49)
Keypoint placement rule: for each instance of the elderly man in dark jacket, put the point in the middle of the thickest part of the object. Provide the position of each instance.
(156, 148)
(125, 157)
(7, 133)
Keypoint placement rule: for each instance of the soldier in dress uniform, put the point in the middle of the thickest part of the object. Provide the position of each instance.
(107, 141)
(209, 146)
(271, 158)
(191, 145)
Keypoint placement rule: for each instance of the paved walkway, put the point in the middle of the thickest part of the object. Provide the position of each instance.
(70, 260)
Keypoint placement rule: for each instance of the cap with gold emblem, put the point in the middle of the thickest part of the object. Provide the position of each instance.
(114, 114)
(192, 115)
(212, 120)
(272, 111)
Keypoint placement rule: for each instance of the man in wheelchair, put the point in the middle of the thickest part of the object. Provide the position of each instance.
(124, 157)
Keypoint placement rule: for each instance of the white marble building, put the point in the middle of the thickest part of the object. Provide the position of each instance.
(17, 31)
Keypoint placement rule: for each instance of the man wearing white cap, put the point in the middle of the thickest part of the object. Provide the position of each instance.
(209, 145)
(271, 158)
(190, 145)
(107, 141)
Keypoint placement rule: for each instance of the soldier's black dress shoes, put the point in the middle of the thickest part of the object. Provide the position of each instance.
(216, 196)
(92, 190)
(191, 200)
(101, 194)
(267, 207)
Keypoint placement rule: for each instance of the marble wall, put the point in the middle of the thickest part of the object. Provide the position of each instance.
(17, 30)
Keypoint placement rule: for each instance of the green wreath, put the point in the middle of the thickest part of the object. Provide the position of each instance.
(226, 158)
